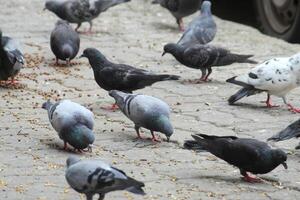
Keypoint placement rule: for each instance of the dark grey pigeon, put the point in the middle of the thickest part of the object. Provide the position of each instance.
(11, 58)
(79, 11)
(92, 177)
(201, 30)
(204, 57)
(145, 111)
(180, 8)
(249, 155)
(111, 76)
(64, 41)
(73, 123)
(293, 130)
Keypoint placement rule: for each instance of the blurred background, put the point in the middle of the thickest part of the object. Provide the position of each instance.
(278, 18)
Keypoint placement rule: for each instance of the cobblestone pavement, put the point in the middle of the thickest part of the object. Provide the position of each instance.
(32, 163)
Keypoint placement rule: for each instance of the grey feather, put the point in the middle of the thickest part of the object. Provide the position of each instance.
(92, 177)
(79, 11)
(73, 123)
(201, 30)
(11, 58)
(145, 111)
(64, 41)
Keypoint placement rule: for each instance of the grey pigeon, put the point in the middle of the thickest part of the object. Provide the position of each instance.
(111, 76)
(79, 11)
(180, 8)
(249, 155)
(204, 57)
(276, 76)
(145, 111)
(293, 130)
(64, 41)
(73, 123)
(92, 177)
(201, 30)
(11, 58)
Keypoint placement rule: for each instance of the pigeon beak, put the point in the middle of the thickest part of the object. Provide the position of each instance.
(82, 55)
(44, 9)
(284, 165)
(163, 53)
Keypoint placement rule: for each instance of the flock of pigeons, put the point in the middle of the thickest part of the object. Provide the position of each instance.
(74, 123)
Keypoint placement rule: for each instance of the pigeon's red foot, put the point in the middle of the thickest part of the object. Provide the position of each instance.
(270, 105)
(292, 109)
(154, 138)
(113, 107)
(251, 178)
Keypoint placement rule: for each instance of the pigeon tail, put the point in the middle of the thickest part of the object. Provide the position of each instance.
(192, 145)
(244, 92)
(232, 58)
(293, 130)
(67, 51)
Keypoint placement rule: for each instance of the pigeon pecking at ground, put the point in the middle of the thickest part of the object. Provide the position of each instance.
(276, 76)
(110, 76)
(11, 58)
(201, 30)
(180, 8)
(145, 111)
(293, 130)
(79, 11)
(73, 123)
(204, 57)
(92, 177)
(64, 41)
(249, 155)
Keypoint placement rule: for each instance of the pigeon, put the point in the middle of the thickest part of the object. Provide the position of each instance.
(249, 155)
(180, 8)
(201, 30)
(79, 11)
(110, 76)
(92, 177)
(276, 76)
(204, 57)
(293, 130)
(145, 111)
(64, 41)
(73, 123)
(11, 58)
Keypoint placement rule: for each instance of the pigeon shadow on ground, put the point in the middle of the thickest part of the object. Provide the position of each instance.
(197, 81)
(56, 145)
(164, 26)
(261, 107)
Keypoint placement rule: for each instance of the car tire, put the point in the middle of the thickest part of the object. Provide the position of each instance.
(279, 18)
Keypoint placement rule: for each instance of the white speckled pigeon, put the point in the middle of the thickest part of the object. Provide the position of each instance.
(11, 58)
(64, 41)
(249, 155)
(180, 8)
(145, 111)
(204, 57)
(79, 11)
(92, 177)
(73, 123)
(201, 30)
(276, 76)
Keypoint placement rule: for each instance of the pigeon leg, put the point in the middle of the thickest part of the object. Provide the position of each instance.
(180, 24)
(154, 139)
(68, 61)
(101, 196)
(89, 196)
(91, 25)
(56, 62)
(78, 25)
(65, 145)
(137, 129)
(268, 102)
(290, 107)
(206, 77)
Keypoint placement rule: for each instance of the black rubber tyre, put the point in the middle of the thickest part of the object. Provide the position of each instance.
(279, 18)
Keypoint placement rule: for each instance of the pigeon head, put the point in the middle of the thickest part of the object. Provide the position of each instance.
(96, 58)
(52, 5)
(72, 160)
(279, 157)
(171, 48)
(164, 126)
(47, 105)
(206, 7)
(119, 97)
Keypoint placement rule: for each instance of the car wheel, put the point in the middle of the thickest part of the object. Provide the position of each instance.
(279, 18)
